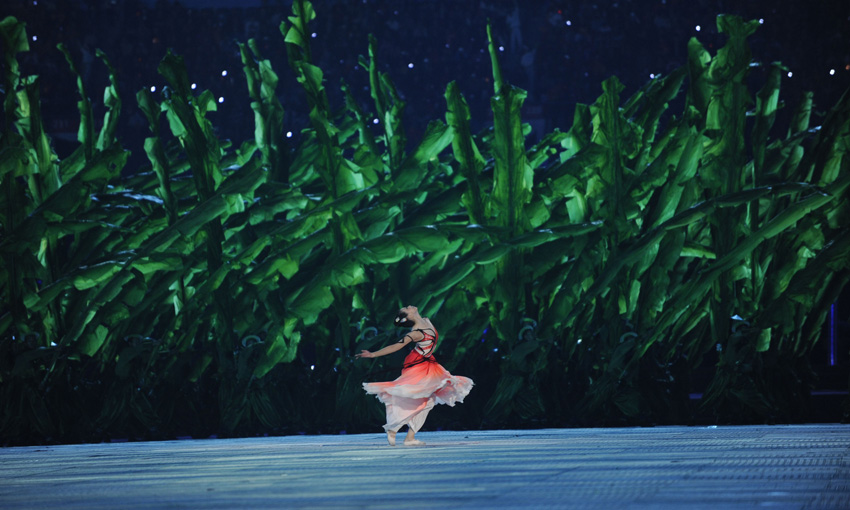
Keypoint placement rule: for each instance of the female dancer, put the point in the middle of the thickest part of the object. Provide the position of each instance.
(423, 381)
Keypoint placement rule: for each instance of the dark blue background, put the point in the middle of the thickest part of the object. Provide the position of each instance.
(559, 51)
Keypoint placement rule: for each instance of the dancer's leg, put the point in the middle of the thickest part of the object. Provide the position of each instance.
(416, 423)
(390, 432)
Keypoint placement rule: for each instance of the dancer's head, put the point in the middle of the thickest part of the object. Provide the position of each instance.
(406, 317)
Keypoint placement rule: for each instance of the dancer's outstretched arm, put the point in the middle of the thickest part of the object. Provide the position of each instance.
(414, 336)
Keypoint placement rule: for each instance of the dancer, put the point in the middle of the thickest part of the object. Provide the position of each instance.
(423, 381)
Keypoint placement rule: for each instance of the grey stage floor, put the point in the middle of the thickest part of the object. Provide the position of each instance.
(806, 466)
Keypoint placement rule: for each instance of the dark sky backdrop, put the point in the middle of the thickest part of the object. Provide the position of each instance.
(559, 51)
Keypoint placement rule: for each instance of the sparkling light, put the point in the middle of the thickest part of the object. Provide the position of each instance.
(224, 73)
(832, 72)
(569, 23)
(313, 35)
(312, 367)
(501, 48)
(34, 38)
(221, 99)
(153, 89)
(761, 21)
(375, 121)
(698, 28)
(410, 65)
(790, 74)
(651, 76)
(289, 134)
(194, 86)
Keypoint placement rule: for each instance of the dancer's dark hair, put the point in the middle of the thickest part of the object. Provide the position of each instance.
(402, 320)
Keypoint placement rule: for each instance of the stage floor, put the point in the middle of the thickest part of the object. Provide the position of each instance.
(798, 466)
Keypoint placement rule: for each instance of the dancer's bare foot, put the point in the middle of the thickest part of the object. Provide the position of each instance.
(411, 440)
(391, 437)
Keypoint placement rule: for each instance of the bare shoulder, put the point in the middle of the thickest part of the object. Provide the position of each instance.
(415, 335)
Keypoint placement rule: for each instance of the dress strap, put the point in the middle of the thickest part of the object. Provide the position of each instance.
(426, 346)
(431, 329)
(422, 330)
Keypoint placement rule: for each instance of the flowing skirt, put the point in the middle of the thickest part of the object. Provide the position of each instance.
(422, 384)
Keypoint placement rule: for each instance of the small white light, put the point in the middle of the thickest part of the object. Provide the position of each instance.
(34, 38)
(289, 134)
(832, 72)
(153, 89)
(698, 28)
(501, 48)
(790, 74)
(313, 35)
(221, 99)
(496, 349)
(410, 65)
(578, 341)
(569, 23)
(194, 86)
(761, 21)
(312, 367)
(224, 73)
(651, 76)
(375, 121)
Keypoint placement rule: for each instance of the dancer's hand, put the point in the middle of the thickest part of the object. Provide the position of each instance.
(364, 354)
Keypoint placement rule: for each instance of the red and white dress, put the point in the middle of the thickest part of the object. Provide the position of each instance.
(422, 384)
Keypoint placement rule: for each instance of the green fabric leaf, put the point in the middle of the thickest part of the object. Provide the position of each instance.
(465, 151)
